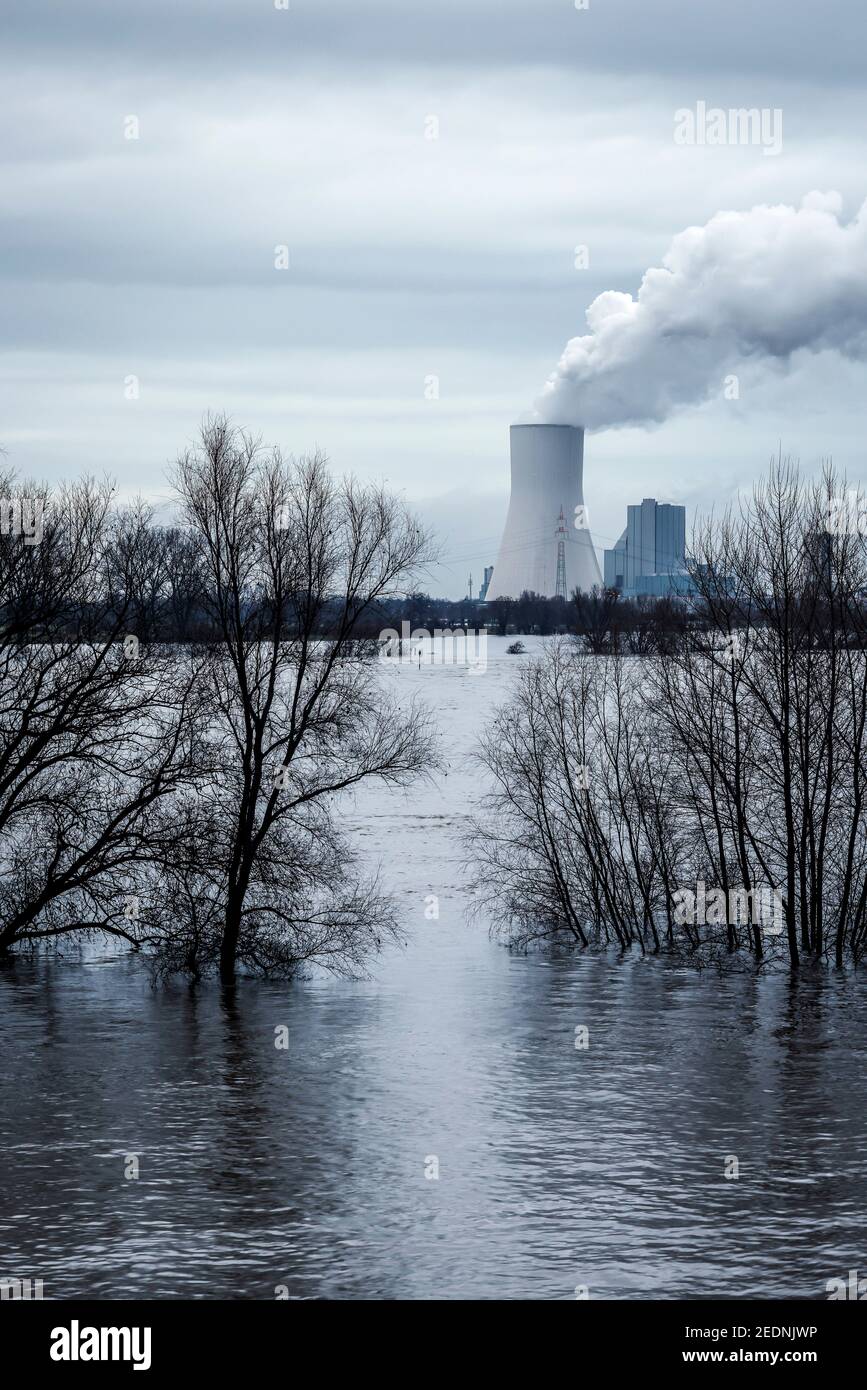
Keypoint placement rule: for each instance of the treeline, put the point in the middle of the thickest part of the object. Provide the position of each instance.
(156, 583)
(180, 797)
(164, 600)
(708, 797)
(604, 620)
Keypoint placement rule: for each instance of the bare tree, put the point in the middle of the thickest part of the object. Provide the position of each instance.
(96, 729)
(293, 563)
(733, 753)
(783, 588)
(597, 618)
(578, 830)
(184, 585)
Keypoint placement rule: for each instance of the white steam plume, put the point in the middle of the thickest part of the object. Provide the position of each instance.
(758, 284)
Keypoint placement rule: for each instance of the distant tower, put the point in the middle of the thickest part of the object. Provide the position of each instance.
(470, 587)
(547, 467)
(560, 583)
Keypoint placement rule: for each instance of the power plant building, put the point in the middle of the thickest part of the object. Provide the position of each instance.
(546, 547)
(650, 556)
(483, 591)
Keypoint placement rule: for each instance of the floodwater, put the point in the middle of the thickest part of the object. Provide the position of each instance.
(308, 1170)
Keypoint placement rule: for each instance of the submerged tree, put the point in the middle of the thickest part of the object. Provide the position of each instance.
(578, 831)
(293, 562)
(783, 583)
(96, 728)
(733, 756)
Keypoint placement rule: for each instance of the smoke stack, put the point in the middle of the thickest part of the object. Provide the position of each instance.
(547, 476)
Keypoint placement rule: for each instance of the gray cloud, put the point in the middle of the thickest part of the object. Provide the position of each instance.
(409, 257)
(202, 37)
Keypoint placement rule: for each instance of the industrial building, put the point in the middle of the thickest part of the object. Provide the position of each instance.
(650, 556)
(483, 591)
(546, 547)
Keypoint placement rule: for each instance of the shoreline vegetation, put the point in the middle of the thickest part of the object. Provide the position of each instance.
(184, 801)
(182, 707)
(708, 799)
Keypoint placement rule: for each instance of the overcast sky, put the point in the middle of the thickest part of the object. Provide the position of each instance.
(409, 257)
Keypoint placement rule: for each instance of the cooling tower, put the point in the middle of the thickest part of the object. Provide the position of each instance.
(547, 469)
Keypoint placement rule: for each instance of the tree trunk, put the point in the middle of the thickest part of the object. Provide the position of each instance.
(231, 934)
